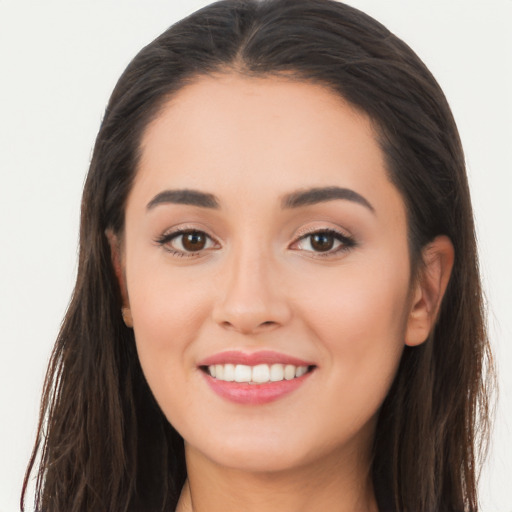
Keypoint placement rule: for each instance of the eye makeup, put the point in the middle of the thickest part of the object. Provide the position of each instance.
(186, 242)
(191, 242)
(324, 242)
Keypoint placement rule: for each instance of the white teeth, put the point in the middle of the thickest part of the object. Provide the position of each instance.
(261, 373)
(276, 372)
(300, 371)
(243, 373)
(258, 374)
(289, 372)
(229, 372)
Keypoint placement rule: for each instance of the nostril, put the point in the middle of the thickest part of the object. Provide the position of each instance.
(248, 327)
(264, 326)
(229, 325)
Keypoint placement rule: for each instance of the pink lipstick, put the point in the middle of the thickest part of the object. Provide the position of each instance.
(254, 378)
(252, 358)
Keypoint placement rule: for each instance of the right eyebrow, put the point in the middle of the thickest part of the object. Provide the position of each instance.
(317, 195)
(184, 196)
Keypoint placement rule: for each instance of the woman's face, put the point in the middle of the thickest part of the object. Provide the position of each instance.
(264, 239)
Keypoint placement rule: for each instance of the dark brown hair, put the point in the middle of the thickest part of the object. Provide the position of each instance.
(103, 442)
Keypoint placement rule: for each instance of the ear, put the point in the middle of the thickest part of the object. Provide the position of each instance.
(116, 255)
(429, 289)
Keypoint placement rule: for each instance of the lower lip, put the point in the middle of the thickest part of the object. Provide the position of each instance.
(254, 394)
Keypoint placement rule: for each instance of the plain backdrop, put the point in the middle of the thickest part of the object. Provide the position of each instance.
(59, 60)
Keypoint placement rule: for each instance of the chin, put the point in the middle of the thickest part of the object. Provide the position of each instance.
(264, 452)
(259, 453)
(259, 461)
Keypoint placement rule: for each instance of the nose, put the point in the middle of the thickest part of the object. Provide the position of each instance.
(252, 297)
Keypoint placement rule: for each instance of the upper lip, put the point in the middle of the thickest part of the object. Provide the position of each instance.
(252, 358)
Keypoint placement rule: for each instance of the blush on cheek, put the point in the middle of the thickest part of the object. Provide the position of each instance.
(163, 312)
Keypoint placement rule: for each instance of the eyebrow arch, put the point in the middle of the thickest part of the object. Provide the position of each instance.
(322, 194)
(184, 196)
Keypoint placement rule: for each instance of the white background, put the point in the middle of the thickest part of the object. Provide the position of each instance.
(59, 60)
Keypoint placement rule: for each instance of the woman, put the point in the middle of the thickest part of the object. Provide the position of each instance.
(278, 303)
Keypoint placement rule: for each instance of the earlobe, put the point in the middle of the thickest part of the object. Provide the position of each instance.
(429, 289)
(117, 263)
(127, 317)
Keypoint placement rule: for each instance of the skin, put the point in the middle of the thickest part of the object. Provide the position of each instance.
(259, 284)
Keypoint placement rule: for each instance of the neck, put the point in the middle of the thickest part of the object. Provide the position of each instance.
(337, 483)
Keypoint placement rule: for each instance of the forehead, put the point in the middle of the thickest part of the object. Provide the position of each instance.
(264, 135)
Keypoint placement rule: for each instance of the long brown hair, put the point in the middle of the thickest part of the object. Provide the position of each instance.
(102, 440)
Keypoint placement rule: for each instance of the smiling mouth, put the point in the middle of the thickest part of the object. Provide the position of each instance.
(257, 374)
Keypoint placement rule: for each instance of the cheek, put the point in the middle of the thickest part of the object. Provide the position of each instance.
(166, 305)
(168, 311)
(359, 319)
(357, 300)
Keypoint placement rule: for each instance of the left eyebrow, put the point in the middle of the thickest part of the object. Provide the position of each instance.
(184, 196)
(322, 194)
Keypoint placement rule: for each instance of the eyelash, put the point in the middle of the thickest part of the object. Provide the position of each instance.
(346, 242)
(165, 239)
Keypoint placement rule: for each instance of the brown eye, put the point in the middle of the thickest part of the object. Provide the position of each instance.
(193, 241)
(187, 242)
(327, 241)
(322, 242)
